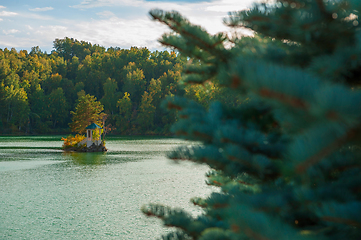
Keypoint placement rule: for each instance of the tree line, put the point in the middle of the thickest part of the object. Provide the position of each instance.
(38, 90)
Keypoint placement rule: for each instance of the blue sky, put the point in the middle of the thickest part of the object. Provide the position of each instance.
(117, 23)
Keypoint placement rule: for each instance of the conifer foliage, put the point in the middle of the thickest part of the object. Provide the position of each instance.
(287, 161)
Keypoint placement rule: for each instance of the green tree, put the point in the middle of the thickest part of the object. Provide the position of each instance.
(170, 82)
(39, 109)
(125, 114)
(4, 67)
(36, 50)
(287, 161)
(88, 110)
(109, 100)
(12, 79)
(3, 111)
(155, 90)
(79, 87)
(146, 110)
(17, 106)
(52, 83)
(134, 83)
(70, 47)
(58, 106)
(69, 90)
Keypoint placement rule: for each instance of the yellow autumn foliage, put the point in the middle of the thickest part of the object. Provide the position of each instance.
(71, 141)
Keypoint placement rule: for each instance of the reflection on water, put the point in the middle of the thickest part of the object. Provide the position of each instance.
(48, 194)
(94, 158)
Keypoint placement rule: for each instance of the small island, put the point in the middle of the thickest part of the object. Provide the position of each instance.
(91, 143)
(88, 110)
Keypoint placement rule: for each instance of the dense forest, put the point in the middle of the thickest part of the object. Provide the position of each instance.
(38, 90)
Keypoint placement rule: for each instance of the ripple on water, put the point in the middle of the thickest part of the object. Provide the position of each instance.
(46, 194)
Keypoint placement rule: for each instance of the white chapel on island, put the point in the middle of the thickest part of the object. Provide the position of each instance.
(89, 135)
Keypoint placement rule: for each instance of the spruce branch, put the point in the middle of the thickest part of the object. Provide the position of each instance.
(327, 150)
(252, 234)
(342, 221)
(284, 98)
(300, 118)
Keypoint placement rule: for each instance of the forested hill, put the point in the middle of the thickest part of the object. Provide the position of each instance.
(38, 90)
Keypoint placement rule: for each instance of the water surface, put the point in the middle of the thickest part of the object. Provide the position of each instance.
(48, 194)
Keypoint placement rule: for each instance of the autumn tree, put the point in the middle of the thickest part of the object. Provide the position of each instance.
(87, 110)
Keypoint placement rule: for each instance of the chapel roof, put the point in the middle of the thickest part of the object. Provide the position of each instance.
(93, 126)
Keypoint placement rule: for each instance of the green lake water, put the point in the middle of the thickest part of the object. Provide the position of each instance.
(48, 194)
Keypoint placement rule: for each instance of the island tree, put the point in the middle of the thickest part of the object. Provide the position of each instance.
(88, 110)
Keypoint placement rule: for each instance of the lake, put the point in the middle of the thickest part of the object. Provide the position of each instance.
(48, 194)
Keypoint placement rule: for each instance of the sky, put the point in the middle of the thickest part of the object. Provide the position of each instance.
(109, 23)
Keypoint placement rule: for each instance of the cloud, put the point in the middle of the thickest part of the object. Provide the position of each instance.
(106, 14)
(219, 8)
(97, 3)
(125, 33)
(7, 14)
(41, 9)
(121, 23)
(85, 4)
(178, 5)
(114, 32)
(35, 16)
(140, 30)
(207, 13)
(19, 43)
(2, 7)
(11, 31)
